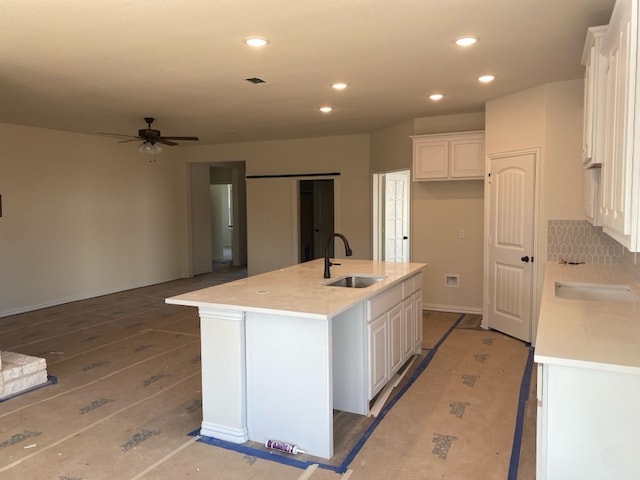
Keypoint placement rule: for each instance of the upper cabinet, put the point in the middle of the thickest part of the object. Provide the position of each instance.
(594, 96)
(451, 156)
(620, 179)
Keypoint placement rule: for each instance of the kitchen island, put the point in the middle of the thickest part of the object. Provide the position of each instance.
(588, 355)
(282, 350)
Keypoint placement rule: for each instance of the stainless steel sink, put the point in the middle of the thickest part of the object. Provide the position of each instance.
(354, 281)
(595, 292)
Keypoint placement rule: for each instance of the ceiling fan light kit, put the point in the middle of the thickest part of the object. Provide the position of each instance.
(149, 148)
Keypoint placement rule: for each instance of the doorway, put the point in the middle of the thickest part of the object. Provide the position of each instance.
(391, 201)
(217, 215)
(316, 222)
(510, 243)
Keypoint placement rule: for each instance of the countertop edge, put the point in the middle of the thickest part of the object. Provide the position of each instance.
(340, 301)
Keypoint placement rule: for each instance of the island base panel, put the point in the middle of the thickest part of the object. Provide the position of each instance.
(289, 390)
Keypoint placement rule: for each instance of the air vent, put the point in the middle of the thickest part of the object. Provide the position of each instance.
(255, 80)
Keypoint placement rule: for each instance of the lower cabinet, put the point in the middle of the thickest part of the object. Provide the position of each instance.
(587, 423)
(378, 333)
(394, 331)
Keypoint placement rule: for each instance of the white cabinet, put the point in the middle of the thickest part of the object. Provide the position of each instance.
(587, 423)
(394, 331)
(620, 180)
(378, 333)
(452, 156)
(594, 97)
(592, 195)
(396, 338)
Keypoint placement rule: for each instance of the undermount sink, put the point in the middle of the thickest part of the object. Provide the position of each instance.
(354, 281)
(595, 292)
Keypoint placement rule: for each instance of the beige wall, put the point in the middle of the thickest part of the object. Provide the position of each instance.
(271, 207)
(439, 210)
(84, 216)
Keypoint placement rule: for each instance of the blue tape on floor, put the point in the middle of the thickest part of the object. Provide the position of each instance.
(522, 403)
(342, 468)
(51, 380)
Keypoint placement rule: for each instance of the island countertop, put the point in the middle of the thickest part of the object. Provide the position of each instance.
(602, 334)
(300, 290)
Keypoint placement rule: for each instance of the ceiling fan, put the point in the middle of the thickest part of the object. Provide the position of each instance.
(150, 138)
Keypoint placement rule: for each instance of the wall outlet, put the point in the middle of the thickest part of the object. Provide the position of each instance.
(461, 233)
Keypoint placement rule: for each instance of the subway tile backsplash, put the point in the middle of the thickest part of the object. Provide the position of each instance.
(579, 241)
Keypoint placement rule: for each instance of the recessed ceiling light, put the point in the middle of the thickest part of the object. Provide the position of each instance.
(256, 41)
(436, 97)
(325, 109)
(466, 41)
(486, 78)
(339, 86)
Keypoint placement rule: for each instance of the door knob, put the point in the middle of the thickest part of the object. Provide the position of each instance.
(525, 259)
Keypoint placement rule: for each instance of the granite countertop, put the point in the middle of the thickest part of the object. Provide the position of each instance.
(300, 290)
(599, 334)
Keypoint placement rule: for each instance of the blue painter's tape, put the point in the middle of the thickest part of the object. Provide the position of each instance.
(522, 403)
(342, 467)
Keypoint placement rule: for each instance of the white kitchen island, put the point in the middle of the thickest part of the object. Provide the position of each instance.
(588, 355)
(282, 350)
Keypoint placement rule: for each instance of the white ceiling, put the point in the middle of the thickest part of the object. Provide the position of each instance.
(102, 65)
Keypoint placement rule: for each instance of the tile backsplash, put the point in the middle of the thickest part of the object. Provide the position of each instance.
(579, 241)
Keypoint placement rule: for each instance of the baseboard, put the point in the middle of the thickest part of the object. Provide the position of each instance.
(85, 296)
(451, 308)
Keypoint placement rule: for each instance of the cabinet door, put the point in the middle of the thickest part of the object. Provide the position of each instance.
(587, 126)
(617, 181)
(430, 160)
(408, 320)
(417, 320)
(378, 354)
(467, 158)
(396, 339)
(594, 97)
(591, 195)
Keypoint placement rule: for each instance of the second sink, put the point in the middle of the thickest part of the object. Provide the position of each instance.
(595, 292)
(354, 281)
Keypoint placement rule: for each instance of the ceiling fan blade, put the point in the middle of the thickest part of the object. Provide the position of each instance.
(181, 138)
(165, 141)
(116, 135)
(135, 139)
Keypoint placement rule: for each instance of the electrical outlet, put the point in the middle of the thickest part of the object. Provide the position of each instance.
(461, 233)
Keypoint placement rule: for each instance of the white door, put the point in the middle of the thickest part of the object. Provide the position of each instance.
(511, 219)
(396, 217)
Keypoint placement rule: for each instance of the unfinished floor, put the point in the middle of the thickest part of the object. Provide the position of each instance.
(128, 393)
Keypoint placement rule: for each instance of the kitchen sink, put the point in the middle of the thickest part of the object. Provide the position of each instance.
(595, 292)
(354, 281)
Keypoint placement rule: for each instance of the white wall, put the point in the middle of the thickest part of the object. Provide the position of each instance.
(84, 216)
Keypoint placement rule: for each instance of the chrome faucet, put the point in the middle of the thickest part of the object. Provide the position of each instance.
(347, 252)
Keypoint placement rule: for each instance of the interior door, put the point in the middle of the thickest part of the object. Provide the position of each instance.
(396, 217)
(510, 239)
(322, 215)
